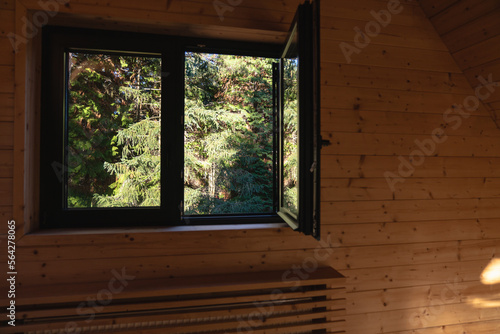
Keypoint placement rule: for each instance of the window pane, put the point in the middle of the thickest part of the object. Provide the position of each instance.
(290, 135)
(228, 135)
(290, 126)
(113, 131)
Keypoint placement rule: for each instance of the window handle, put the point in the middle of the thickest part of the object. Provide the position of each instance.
(325, 142)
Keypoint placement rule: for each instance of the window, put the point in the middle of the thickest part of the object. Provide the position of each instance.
(143, 129)
(228, 135)
(299, 138)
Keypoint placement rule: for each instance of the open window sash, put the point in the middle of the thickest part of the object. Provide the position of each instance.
(297, 124)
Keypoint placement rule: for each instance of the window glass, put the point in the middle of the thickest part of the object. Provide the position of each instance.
(290, 134)
(143, 133)
(228, 138)
(113, 130)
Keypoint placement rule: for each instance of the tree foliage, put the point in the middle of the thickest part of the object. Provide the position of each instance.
(107, 94)
(114, 133)
(228, 135)
(290, 135)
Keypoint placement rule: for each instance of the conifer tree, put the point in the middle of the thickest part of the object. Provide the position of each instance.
(228, 145)
(107, 94)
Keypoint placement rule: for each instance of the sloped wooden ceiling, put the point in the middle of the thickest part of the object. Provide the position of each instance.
(471, 31)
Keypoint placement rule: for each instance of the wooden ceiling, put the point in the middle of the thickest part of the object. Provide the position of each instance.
(471, 31)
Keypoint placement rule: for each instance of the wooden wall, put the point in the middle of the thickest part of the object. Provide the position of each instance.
(413, 255)
(471, 31)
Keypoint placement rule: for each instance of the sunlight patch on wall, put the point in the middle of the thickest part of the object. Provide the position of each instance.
(491, 274)
(489, 296)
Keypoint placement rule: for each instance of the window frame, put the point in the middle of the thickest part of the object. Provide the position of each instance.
(58, 40)
(305, 28)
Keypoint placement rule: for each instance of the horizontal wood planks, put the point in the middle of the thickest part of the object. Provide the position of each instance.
(413, 253)
(482, 327)
(392, 57)
(440, 188)
(410, 210)
(5, 215)
(471, 31)
(460, 13)
(6, 164)
(6, 52)
(399, 122)
(355, 166)
(412, 232)
(410, 319)
(6, 116)
(350, 253)
(415, 145)
(481, 53)
(392, 35)
(430, 264)
(7, 4)
(364, 76)
(7, 75)
(7, 25)
(404, 101)
(432, 8)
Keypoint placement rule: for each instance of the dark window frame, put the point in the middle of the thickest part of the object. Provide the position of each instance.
(305, 28)
(56, 41)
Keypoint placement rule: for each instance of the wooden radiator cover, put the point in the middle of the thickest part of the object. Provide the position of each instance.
(258, 303)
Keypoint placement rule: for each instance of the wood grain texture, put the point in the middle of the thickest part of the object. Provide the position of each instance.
(411, 14)
(432, 8)
(364, 76)
(6, 135)
(7, 4)
(399, 122)
(478, 327)
(392, 57)
(410, 210)
(461, 12)
(376, 99)
(411, 319)
(7, 105)
(400, 248)
(5, 215)
(361, 166)
(386, 232)
(7, 25)
(6, 52)
(391, 35)
(412, 146)
(471, 31)
(6, 164)
(413, 188)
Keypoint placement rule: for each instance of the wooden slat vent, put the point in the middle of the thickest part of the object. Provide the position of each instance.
(267, 306)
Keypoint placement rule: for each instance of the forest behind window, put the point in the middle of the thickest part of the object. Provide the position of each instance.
(114, 133)
(114, 118)
(228, 135)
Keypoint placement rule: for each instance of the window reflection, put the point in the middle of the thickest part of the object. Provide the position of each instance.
(290, 135)
(290, 126)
